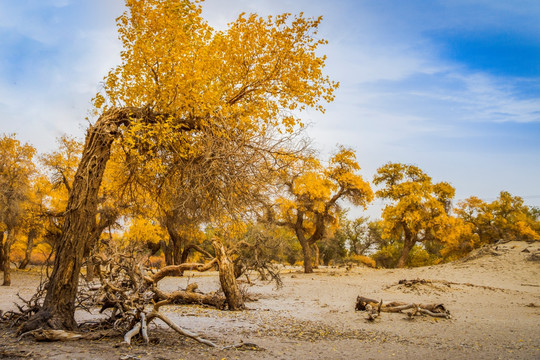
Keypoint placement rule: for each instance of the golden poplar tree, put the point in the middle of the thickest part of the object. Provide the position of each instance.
(418, 209)
(179, 78)
(313, 191)
(16, 170)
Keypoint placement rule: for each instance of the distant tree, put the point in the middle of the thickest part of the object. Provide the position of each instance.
(419, 209)
(506, 218)
(16, 171)
(512, 219)
(311, 204)
(34, 222)
(361, 234)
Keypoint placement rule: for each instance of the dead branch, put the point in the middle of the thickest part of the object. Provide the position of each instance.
(131, 333)
(184, 332)
(173, 269)
(189, 296)
(131, 291)
(144, 329)
(374, 308)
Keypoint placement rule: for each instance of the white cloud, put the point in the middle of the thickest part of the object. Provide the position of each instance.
(396, 91)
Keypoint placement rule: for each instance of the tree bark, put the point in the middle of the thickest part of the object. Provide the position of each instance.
(167, 251)
(175, 246)
(408, 244)
(306, 250)
(316, 260)
(1, 248)
(178, 249)
(235, 300)
(6, 265)
(58, 307)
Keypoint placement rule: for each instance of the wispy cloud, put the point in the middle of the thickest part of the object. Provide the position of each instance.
(53, 56)
(422, 82)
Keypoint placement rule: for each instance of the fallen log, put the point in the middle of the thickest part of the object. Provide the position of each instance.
(369, 305)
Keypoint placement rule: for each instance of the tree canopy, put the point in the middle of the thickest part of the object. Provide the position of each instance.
(419, 210)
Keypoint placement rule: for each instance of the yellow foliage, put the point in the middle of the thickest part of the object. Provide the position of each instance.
(505, 218)
(419, 206)
(362, 259)
(157, 261)
(142, 230)
(250, 76)
(310, 204)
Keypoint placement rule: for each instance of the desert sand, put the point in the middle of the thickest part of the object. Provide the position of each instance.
(493, 297)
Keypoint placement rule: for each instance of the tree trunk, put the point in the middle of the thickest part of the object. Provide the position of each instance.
(168, 252)
(306, 248)
(1, 248)
(6, 265)
(29, 248)
(58, 308)
(177, 253)
(175, 245)
(235, 300)
(174, 248)
(316, 260)
(407, 246)
(185, 254)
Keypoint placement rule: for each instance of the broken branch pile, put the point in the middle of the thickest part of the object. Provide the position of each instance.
(131, 290)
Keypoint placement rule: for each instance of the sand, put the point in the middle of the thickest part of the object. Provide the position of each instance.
(493, 297)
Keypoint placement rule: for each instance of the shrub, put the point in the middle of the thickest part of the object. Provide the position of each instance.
(361, 259)
(420, 257)
(388, 255)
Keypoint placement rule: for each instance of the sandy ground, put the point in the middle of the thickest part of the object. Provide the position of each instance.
(494, 301)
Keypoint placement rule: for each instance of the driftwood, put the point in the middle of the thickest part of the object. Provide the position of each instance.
(373, 308)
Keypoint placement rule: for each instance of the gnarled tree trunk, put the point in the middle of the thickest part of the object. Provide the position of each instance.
(235, 300)
(80, 222)
(175, 246)
(168, 252)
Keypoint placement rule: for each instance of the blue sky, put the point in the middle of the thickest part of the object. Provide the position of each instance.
(450, 86)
